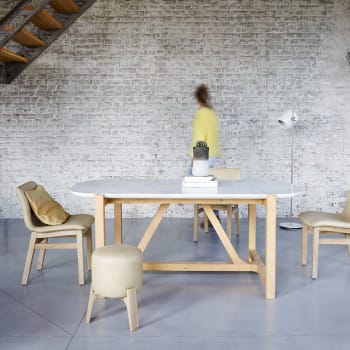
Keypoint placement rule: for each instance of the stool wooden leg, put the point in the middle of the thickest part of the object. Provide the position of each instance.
(92, 298)
(131, 306)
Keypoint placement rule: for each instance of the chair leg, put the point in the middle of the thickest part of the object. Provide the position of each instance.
(348, 237)
(131, 306)
(29, 259)
(229, 222)
(195, 223)
(89, 248)
(80, 255)
(237, 220)
(206, 223)
(92, 298)
(41, 256)
(304, 245)
(316, 234)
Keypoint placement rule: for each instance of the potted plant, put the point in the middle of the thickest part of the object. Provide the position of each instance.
(201, 151)
(200, 165)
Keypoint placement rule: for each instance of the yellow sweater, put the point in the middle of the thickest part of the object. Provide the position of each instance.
(205, 127)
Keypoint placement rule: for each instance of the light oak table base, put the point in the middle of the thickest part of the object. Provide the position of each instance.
(254, 263)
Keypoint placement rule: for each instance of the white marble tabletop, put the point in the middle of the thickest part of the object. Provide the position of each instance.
(240, 189)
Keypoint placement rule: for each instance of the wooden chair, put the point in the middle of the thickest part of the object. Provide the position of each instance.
(220, 174)
(317, 223)
(76, 226)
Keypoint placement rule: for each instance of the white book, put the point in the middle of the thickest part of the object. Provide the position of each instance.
(199, 190)
(199, 178)
(212, 183)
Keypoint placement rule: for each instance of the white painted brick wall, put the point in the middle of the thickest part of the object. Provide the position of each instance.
(112, 97)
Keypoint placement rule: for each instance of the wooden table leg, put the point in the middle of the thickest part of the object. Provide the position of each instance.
(118, 230)
(100, 223)
(152, 226)
(270, 247)
(231, 251)
(251, 229)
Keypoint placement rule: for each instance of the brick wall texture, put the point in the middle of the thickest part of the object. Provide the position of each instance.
(113, 98)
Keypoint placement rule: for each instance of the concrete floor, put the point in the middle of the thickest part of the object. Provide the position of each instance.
(177, 310)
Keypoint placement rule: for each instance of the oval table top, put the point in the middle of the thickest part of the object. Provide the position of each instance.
(161, 188)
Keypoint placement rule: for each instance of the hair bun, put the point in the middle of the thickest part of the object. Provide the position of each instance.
(203, 87)
(202, 94)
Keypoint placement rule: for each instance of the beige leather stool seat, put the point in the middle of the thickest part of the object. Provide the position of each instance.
(117, 272)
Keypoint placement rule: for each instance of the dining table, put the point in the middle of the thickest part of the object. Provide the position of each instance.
(166, 192)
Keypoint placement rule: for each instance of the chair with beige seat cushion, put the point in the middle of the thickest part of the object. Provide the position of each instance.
(317, 223)
(220, 174)
(117, 272)
(73, 226)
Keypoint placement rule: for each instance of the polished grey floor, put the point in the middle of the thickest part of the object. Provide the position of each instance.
(177, 310)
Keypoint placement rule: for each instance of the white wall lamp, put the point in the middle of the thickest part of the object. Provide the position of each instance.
(288, 121)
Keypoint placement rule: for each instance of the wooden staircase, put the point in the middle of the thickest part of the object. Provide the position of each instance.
(30, 27)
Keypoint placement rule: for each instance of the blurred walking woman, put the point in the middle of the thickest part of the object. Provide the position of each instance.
(205, 126)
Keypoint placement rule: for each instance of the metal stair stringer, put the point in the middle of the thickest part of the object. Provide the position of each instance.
(48, 18)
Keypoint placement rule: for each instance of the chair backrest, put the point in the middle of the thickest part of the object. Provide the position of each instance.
(346, 212)
(226, 173)
(30, 219)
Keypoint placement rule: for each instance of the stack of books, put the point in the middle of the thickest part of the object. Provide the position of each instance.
(200, 181)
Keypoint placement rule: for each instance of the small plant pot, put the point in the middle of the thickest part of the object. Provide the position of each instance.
(200, 153)
(200, 165)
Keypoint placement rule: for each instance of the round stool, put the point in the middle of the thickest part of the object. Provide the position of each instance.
(117, 272)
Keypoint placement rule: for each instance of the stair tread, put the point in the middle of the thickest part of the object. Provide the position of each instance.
(65, 6)
(50, 17)
(9, 56)
(44, 20)
(25, 38)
